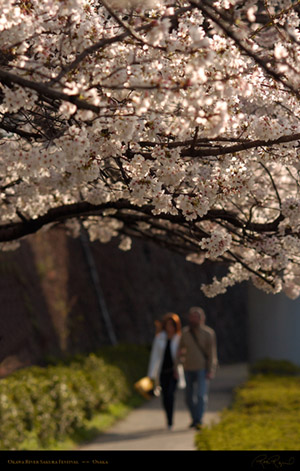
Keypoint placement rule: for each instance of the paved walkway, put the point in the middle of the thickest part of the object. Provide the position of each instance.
(145, 428)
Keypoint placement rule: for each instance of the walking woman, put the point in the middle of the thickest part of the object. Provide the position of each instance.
(163, 362)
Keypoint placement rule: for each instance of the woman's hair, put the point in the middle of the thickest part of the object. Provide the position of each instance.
(174, 318)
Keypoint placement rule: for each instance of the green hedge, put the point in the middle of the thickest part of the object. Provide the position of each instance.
(265, 414)
(275, 367)
(53, 402)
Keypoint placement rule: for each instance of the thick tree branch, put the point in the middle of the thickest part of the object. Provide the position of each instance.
(17, 230)
(243, 144)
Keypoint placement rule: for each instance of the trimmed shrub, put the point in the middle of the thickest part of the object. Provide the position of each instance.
(265, 415)
(52, 402)
(276, 367)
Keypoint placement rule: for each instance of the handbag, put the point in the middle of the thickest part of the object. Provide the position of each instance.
(145, 387)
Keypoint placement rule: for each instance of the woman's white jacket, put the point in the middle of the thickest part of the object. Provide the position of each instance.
(157, 356)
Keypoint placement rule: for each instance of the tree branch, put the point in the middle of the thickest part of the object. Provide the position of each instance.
(105, 42)
(17, 230)
(7, 78)
(205, 8)
(245, 145)
(15, 130)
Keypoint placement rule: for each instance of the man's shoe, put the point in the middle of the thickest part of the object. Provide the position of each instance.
(198, 426)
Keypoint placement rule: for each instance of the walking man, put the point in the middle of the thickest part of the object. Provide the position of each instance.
(198, 353)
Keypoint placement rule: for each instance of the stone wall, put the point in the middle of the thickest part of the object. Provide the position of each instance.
(49, 305)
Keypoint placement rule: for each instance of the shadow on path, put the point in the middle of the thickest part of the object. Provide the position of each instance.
(140, 435)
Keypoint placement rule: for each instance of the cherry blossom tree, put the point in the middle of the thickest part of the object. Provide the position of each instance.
(173, 121)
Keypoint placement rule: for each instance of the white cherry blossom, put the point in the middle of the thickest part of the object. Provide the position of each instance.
(175, 121)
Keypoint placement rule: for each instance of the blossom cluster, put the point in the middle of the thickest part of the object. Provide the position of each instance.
(177, 121)
(217, 244)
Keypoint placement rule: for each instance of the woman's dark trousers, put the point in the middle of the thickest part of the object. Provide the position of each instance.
(168, 385)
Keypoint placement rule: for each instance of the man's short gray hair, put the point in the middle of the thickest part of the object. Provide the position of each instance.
(199, 311)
